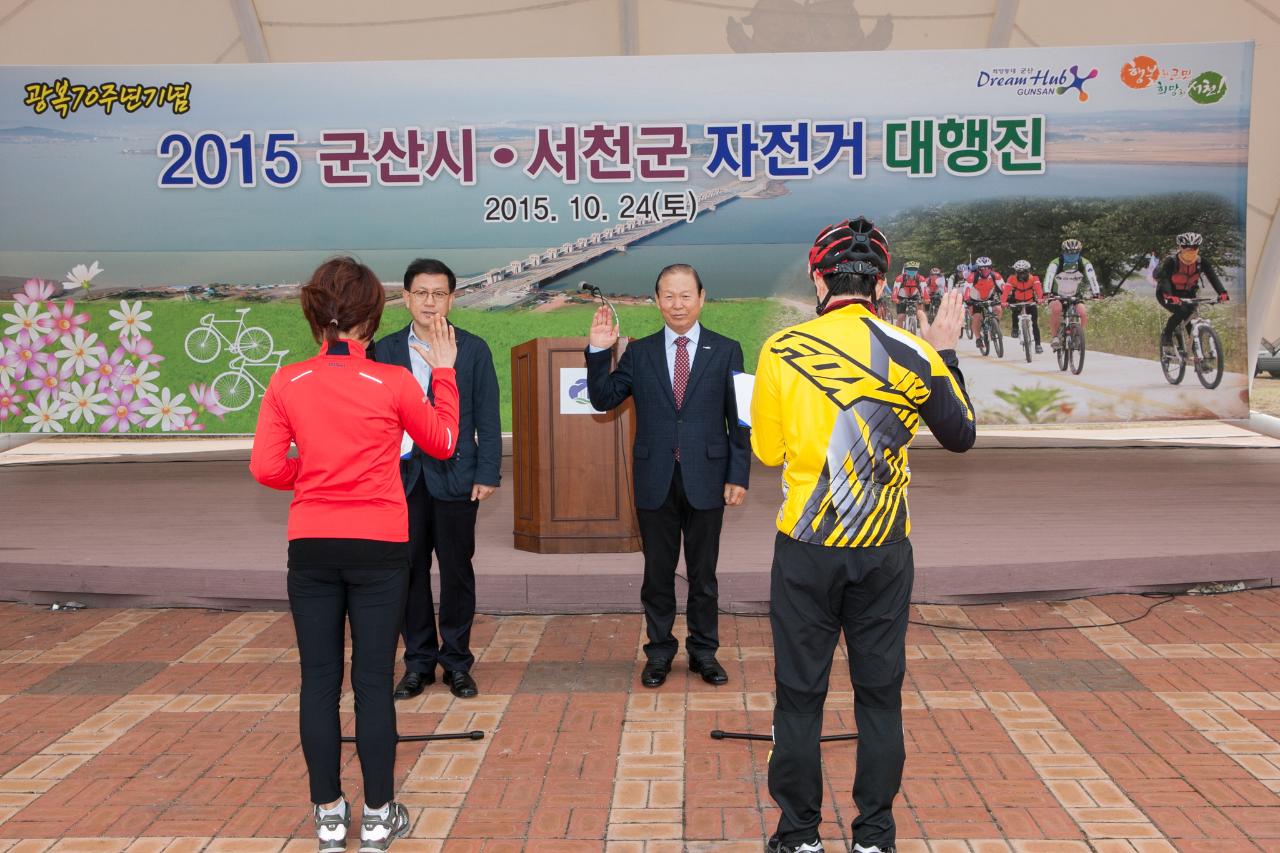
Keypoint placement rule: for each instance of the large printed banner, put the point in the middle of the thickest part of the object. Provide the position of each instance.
(157, 221)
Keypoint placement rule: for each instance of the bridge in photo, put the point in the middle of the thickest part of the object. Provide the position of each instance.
(522, 278)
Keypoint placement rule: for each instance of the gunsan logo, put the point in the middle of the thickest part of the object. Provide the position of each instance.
(1078, 82)
(578, 393)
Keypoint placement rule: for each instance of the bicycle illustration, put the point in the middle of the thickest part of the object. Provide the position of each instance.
(238, 387)
(204, 343)
(1205, 351)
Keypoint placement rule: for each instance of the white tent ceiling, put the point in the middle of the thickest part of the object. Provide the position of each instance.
(92, 32)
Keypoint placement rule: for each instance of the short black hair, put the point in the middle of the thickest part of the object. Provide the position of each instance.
(851, 284)
(684, 268)
(429, 266)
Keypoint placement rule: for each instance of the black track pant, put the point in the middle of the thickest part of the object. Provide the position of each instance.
(322, 600)
(1034, 311)
(816, 592)
(1178, 314)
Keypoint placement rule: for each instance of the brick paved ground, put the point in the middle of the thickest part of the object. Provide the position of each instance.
(175, 730)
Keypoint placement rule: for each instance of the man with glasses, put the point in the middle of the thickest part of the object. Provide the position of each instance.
(443, 495)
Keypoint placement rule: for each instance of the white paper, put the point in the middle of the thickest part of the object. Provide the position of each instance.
(744, 384)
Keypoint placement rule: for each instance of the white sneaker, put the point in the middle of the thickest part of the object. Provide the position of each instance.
(377, 832)
(331, 828)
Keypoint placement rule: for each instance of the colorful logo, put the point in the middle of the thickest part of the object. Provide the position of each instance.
(1140, 73)
(578, 393)
(1078, 82)
(1207, 88)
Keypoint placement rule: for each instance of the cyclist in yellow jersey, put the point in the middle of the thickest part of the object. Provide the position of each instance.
(837, 401)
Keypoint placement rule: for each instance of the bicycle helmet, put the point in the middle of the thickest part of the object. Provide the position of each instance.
(962, 269)
(983, 261)
(853, 246)
(1072, 246)
(912, 266)
(935, 271)
(1021, 266)
(1189, 239)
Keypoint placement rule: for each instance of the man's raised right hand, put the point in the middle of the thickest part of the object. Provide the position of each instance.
(604, 333)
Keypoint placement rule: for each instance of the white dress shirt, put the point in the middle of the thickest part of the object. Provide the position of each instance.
(421, 370)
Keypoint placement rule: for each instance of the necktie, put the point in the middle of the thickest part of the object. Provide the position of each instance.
(681, 377)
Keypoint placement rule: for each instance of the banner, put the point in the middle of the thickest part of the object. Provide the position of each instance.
(158, 220)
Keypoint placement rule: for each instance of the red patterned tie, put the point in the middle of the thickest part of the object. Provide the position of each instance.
(681, 377)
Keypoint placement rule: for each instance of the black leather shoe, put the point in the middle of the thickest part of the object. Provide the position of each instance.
(710, 670)
(461, 684)
(413, 683)
(655, 673)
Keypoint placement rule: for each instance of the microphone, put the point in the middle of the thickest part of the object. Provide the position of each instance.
(588, 287)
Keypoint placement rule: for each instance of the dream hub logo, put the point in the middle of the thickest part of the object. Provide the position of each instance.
(1078, 82)
(578, 393)
(1030, 82)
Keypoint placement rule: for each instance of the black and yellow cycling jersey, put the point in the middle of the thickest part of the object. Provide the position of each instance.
(837, 401)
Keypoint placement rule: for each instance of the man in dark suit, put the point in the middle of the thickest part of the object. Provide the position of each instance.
(691, 460)
(444, 494)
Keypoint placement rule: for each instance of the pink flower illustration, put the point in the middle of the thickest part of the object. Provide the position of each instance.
(123, 412)
(80, 352)
(166, 410)
(28, 323)
(207, 399)
(142, 349)
(112, 369)
(46, 415)
(191, 423)
(20, 356)
(141, 378)
(34, 291)
(64, 320)
(44, 377)
(85, 401)
(10, 397)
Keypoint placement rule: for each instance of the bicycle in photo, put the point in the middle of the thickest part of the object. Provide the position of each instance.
(1205, 350)
(238, 387)
(967, 329)
(204, 343)
(1025, 329)
(989, 335)
(1069, 344)
(907, 306)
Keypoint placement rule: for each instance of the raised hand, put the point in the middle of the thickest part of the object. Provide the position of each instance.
(944, 331)
(441, 350)
(604, 333)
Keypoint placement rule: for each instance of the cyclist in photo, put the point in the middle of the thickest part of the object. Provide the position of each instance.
(1023, 286)
(907, 286)
(1178, 279)
(934, 287)
(1063, 278)
(984, 285)
(959, 278)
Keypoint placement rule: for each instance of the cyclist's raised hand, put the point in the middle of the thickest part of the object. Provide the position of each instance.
(944, 331)
(441, 350)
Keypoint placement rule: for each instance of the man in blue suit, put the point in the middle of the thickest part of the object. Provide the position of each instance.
(443, 495)
(691, 460)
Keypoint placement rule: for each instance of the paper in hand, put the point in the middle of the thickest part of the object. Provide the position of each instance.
(744, 385)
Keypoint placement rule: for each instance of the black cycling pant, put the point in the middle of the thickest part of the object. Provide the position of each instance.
(1178, 314)
(815, 593)
(323, 599)
(1034, 311)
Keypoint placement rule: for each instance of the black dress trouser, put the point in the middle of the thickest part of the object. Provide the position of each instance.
(816, 592)
(661, 530)
(323, 599)
(449, 529)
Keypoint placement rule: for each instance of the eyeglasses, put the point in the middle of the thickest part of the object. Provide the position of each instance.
(429, 295)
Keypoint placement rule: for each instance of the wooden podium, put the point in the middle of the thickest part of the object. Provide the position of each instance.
(571, 467)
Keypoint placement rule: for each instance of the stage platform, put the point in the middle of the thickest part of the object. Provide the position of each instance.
(182, 523)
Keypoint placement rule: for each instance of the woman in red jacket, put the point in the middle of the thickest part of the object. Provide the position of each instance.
(348, 528)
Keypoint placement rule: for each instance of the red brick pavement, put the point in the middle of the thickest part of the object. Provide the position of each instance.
(152, 730)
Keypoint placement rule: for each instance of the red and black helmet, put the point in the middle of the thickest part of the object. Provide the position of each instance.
(854, 246)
